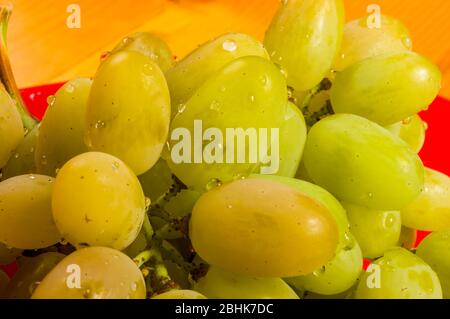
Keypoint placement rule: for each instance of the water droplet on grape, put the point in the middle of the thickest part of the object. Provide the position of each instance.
(370, 195)
(215, 106)
(407, 120)
(252, 98)
(181, 108)
(100, 124)
(51, 100)
(229, 45)
(63, 241)
(32, 177)
(16, 156)
(133, 286)
(148, 69)
(115, 166)
(319, 271)
(213, 183)
(70, 88)
(407, 42)
(148, 202)
(57, 171)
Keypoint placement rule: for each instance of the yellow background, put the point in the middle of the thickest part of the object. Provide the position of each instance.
(43, 50)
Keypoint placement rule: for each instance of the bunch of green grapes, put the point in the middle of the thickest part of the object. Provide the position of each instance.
(245, 170)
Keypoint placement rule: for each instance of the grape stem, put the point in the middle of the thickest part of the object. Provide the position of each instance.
(6, 75)
(148, 229)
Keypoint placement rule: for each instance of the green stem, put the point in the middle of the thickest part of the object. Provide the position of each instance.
(148, 229)
(168, 232)
(6, 74)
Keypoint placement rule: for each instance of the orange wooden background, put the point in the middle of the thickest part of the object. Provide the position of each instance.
(44, 50)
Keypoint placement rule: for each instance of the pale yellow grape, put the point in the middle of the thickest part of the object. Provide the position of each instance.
(26, 220)
(435, 250)
(362, 163)
(22, 162)
(387, 88)
(98, 201)
(363, 40)
(180, 294)
(249, 94)
(61, 132)
(128, 110)
(149, 45)
(292, 141)
(401, 275)
(104, 273)
(304, 38)
(338, 276)
(221, 284)
(189, 74)
(31, 272)
(375, 230)
(262, 228)
(11, 127)
(431, 210)
(412, 130)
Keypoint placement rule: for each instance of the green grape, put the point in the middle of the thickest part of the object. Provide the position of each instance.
(103, 273)
(148, 44)
(8, 254)
(362, 40)
(26, 220)
(251, 87)
(61, 134)
(239, 228)
(137, 246)
(98, 201)
(399, 274)
(181, 205)
(11, 128)
(362, 163)
(156, 181)
(388, 88)
(31, 272)
(220, 284)
(4, 280)
(435, 250)
(337, 276)
(292, 141)
(180, 294)
(188, 75)
(412, 130)
(375, 230)
(408, 238)
(431, 210)
(321, 196)
(128, 110)
(22, 162)
(304, 38)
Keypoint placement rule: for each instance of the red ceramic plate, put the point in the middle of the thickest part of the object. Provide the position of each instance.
(435, 153)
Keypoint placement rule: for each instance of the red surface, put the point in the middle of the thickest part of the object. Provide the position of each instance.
(435, 153)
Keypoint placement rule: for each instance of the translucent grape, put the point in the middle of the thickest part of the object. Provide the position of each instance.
(362, 163)
(292, 141)
(362, 40)
(61, 133)
(304, 38)
(98, 201)
(431, 210)
(22, 162)
(376, 231)
(412, 130)
(338, 276)
(11, 128)
(260, 105)
(26, 220)
(262, 228)
(31, 272)
(148, 44)
(220, 284)
(399, 275)
(188, 75)
(104, 274)
(435, 250)
(128, 110)
(388, 88)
